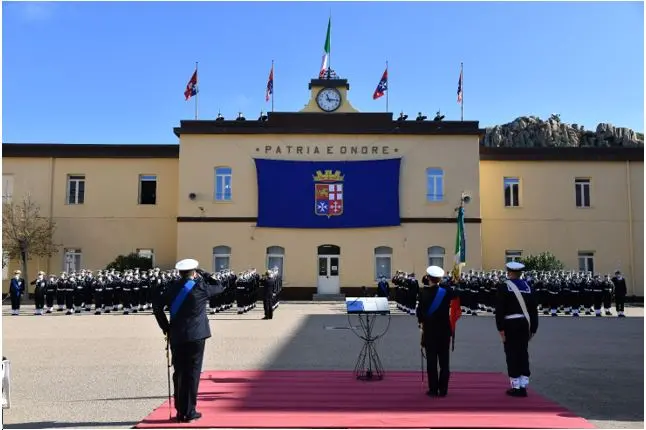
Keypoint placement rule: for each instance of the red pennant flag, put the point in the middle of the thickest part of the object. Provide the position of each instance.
(456, 313)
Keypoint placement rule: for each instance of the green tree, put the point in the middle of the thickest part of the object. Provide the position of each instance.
(543, 262)
(130, 261)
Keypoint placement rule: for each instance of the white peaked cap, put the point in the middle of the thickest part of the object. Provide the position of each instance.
(188, 264)
(515, 266)
(435, 271)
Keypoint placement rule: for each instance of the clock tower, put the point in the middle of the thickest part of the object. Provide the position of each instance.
(329, 94)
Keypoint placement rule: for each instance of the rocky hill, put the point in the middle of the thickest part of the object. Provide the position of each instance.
(531, 131)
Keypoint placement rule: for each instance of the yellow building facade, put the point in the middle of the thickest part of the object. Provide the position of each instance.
(199, 199)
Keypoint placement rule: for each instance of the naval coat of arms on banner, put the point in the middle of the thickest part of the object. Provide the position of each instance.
(328, 193)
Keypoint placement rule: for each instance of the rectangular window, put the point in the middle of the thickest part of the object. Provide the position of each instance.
(383, 266)
(7, 188)
(72, 260)
(223, 184)
(512, 192)
(5, 265)
(582, 192)
(75, 189)
(147, 253)
(147, 189)
(586, 261)
(434, 185)
(513, 256)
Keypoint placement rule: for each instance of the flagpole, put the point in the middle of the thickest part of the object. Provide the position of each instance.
(197, 92)
(272, 85)
(462, 100)
(387, 86)
(329, 57)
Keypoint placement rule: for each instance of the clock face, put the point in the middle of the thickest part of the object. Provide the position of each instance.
(329, 99)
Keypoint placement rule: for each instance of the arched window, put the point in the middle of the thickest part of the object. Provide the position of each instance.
(436, 256)
(221, 258)
(383, 262)
(276, 259)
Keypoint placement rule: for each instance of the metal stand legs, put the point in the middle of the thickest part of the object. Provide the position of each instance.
(368, 367)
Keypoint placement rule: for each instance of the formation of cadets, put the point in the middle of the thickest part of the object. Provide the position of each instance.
(133, 291)
(558, 293)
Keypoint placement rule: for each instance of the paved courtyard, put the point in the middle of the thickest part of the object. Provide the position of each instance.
(110, 370)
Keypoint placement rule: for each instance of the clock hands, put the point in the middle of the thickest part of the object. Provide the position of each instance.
(331, 100)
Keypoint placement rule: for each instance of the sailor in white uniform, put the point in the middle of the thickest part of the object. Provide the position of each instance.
(517, 322)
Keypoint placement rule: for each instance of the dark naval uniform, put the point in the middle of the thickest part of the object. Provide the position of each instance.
(187, 331)
(516, 329)
(16, 290)
(620, 293)
(40, 288)
(433, 317)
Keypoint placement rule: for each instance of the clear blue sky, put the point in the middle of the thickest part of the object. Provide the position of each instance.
(116, 72)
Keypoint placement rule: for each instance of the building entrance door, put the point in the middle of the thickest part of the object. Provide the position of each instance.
(328, 269)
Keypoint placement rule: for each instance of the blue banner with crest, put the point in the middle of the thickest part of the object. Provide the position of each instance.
(328, 194)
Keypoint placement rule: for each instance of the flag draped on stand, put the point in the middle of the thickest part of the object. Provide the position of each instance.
(191, 87)
(270, 84)
(382, 86)
(460, 259)
(326, 50)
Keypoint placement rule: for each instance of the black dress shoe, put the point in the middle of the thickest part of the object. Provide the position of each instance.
(442, 394)
(517, 392)
(188, 419)
(432, 393)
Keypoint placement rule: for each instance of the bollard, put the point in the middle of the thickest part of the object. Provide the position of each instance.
(6, 384)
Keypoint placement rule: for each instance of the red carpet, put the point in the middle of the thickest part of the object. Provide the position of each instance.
(322, 399)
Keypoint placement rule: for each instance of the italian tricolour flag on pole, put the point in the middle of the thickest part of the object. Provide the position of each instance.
(326, 50)
(460, 259)
(460, 245)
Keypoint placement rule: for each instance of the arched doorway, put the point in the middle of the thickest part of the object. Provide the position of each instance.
(328, 267)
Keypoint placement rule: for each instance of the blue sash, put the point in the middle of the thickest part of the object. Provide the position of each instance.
(177, 303)
(436, 301)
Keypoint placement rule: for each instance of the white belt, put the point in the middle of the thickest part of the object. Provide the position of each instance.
(514, 316)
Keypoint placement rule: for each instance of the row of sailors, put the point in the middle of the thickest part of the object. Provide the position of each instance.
(109, 290)
(571, 293)
(131, 292)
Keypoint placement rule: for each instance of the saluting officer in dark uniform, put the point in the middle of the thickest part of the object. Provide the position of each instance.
(187, 331)
(517, 322)
(433, 318)
(268, 284)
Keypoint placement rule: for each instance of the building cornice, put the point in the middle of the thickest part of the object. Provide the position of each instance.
(334, 123)
(56, 150)
(63, 150)
(562, 154)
